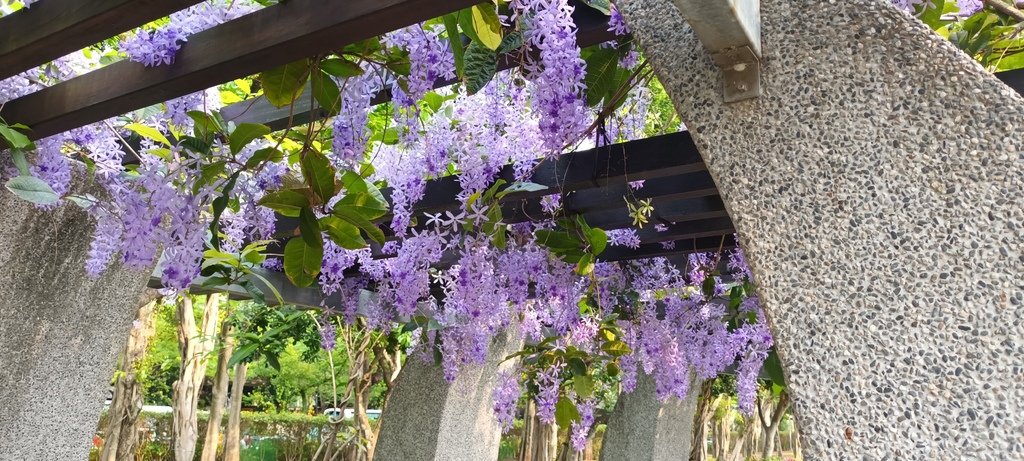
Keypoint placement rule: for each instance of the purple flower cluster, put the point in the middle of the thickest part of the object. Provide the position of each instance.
(506, 395)
(581, 429)
(558, 74)
(626, 237)
(328, 334)
(158, 46)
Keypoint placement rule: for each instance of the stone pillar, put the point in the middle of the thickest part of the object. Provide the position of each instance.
(60, 331)
(877, 188)
(642, 428)
(428, 419)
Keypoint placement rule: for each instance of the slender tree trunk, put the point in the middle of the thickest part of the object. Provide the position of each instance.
(698, 447)
(795, 438)
(526, 436)
(120, 432)
(743, 440)
(233, 435)
(771, 430)
(220, 393)
(195, 345)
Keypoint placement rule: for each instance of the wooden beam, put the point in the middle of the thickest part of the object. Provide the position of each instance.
(592, 29)
(53, 28)
(262, 40)
(654, 250)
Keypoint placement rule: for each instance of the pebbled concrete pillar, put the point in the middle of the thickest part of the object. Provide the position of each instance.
(60, 331)
(428, 419)
(877, 187)
(641, 428)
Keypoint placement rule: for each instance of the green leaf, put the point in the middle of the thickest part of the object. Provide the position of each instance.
(465, 17)
(309, 227)
(598, 240)
(602, 65)
(556, 239)
(481, 64)
(204, 128)
(244, 134)
(14, 138)
(511, 43)
(355, 218)
(342, 68)
(566, 412)
(773, 368)
(287, 202)
(521, 186)
(487, 25)
(32, 189)
(584, 386)
(219, 204)
(148, 132)
(284, 84)
(342, 232)
(18, 157)
(615, 348)
(255, 292)
(243, 353)
(603, 6)
(451, 27)
(362, 197)
(612, 369)
(302, 262)
(577, 366)
(266, 154)
(326, 92)
(319, 174)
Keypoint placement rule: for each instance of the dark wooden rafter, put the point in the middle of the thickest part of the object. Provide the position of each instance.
(53, 28)
(265, 39)
(592, 29)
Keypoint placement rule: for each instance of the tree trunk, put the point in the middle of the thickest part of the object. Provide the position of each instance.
(526, 436)
(743, 440)
(771, 430)
(220, 393)
(120, 432)
(233, 435)
(705, 407)
(795, 437)
(195, 346)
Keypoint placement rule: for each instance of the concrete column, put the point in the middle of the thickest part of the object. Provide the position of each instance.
(642, 428)
(877, 187)
(60, 331)
(428, 419)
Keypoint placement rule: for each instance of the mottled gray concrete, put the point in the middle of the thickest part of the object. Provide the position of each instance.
(877, 187)
(427, 418)
(60, 331)
(642, 428)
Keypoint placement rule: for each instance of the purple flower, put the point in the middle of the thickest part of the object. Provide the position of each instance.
(506, 395)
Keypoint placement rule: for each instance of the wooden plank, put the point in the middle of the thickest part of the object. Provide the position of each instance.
(592, 29)
(262, 40)
(53, 28)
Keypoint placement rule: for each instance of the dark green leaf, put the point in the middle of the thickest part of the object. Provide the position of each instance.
(602, 65)
(577, 366)
(465, 17)
(342, 68)
(273, 361)
(244, 134)
(773, 368)
(255, 292)
(267, 154)
(242, 354)
(451, 27)
(309, 226)
(32, 189)
(326, 92)
(319, 174)
(18, 156)
(219, 204)
(481, 64)
(287, 202)
(612, 369)
(205, 126)
(603, 6)
(284, 84)
(511, 43)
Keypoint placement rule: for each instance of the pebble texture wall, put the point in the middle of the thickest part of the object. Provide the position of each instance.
(877, 186)
(60, 331)
(643, 429)
(428, 419)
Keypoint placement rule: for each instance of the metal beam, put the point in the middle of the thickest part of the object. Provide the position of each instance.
(265, 39)
(53, 28)
(731, 32)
